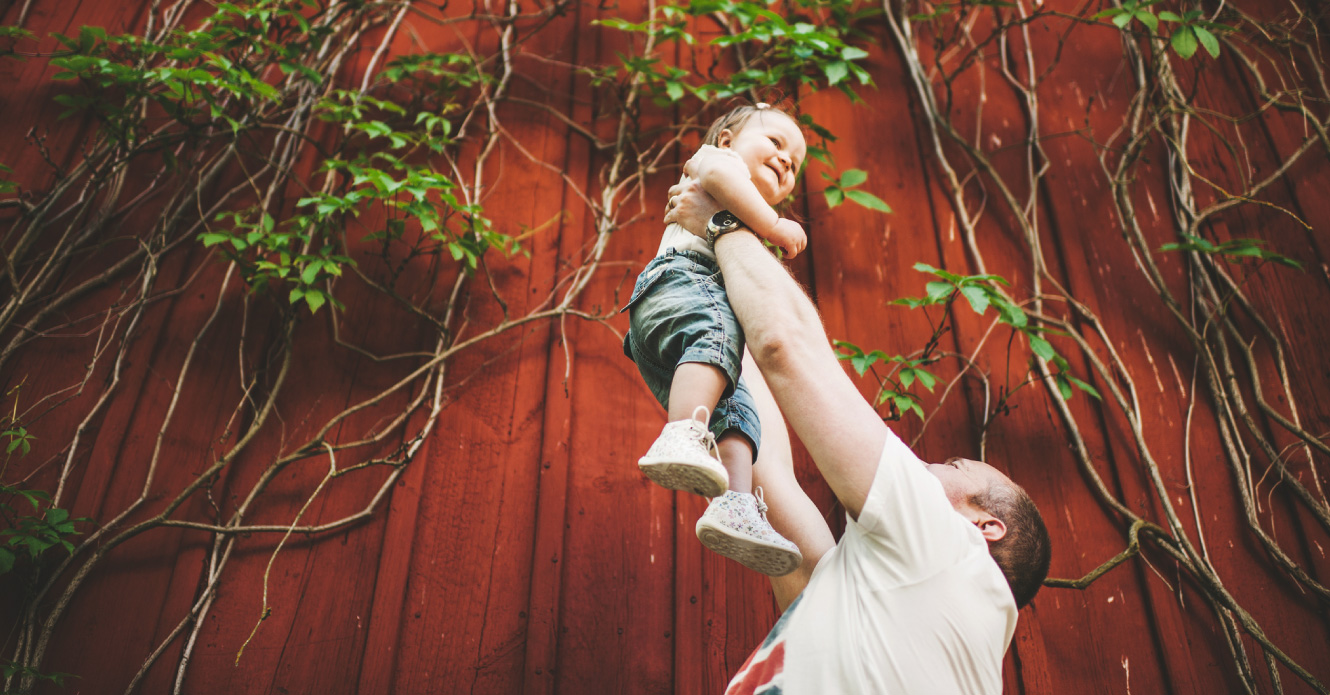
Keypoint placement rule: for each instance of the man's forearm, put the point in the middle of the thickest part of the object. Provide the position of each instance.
(785, 336)
(777, 316)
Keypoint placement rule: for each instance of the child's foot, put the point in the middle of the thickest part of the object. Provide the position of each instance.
(684, 457)
(735, 526)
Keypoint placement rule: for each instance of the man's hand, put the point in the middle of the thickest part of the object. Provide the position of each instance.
(691, 207)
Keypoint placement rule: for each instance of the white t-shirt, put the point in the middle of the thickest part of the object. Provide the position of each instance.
(677, 237)
(908, 602)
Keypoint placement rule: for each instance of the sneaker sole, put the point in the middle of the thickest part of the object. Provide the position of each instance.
(771, 560)
(688, 477)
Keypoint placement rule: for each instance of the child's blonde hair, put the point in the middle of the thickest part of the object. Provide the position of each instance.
(737, 118)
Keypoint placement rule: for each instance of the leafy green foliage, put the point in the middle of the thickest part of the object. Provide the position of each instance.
(812, 50)
(845, 187)
(1132, 10)
(11, 32)
(1232, 249)
(896, 384)
(7, 186)
(981, 294)
(252, 60)
(33, 534)
(10, 669)
(1191, 31)
(28, 530)
(1184, 39)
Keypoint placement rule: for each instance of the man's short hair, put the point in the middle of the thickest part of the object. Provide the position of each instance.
(1024, 552)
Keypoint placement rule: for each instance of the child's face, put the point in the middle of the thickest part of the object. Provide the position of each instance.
(773, 148)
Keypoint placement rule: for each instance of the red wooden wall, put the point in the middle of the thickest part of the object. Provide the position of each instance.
(522, 552)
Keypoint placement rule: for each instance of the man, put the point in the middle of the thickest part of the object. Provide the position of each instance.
(921, 592)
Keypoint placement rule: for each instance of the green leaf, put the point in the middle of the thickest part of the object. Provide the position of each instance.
(907, 377)
(925, 378)
(911, 302)
(836, 72)
(835, 196)
(977, 297)
(868, 200)
(924, 268)
(1085, 387)
(862, 363)
(1149, 20)
(1120, 20)
(1064, 388)
(852, 53)
(311, 272)
(675, 90)
(852, 177)
(1184, 42)
(6, 560)
(939, 291)
(315, 299)
(1041, 347)
(1208, 40)
(1012, 315)
(1169, 16)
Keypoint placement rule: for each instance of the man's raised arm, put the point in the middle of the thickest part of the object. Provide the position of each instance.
(785, 335)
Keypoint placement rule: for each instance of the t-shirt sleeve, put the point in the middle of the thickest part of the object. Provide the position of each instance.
(908, 515)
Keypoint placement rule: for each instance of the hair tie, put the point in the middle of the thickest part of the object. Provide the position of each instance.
(761, 105)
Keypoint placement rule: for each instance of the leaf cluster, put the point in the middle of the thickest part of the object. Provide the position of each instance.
(1191, 31)
(846, 187)
(894, 386)
(29, 533)
(211, 80)
(1231, 250)
(811, 47)
(981, 293)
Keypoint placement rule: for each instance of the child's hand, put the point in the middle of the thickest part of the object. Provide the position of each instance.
(789, 236)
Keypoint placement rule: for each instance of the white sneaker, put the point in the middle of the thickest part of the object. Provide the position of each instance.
(736, 526)
(685, 457)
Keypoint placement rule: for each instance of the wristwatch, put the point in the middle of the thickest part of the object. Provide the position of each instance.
(720, 223)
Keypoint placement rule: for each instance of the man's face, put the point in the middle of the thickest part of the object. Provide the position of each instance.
(965, 478)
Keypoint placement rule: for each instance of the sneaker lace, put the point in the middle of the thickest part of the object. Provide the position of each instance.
(761, 503)
(703, 433)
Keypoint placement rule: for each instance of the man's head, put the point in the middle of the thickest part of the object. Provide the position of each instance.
(1007, 518)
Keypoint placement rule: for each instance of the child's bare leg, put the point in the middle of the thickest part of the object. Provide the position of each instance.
(694, 384)
(736, 454)
(683, 457)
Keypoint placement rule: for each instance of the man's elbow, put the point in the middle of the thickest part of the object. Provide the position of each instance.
(781, 349)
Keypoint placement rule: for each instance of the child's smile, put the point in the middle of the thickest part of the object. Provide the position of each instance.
(773, 148)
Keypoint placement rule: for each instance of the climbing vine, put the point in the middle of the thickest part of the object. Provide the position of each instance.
(1235, 339)
(284, 160)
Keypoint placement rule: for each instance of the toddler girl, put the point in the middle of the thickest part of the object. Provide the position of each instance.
(688, 345)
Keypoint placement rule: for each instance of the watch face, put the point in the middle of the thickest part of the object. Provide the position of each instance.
(724, 219)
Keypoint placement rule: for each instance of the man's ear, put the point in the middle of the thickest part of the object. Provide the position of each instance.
(992, 528)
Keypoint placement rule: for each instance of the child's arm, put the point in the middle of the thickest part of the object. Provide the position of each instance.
(726, 179)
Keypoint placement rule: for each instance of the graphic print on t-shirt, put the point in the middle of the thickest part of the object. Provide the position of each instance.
(762, 673)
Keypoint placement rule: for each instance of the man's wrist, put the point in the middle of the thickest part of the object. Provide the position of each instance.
(721, 223)
(737, 235)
